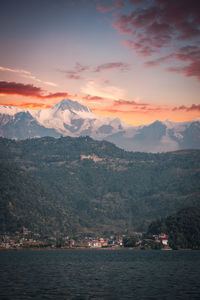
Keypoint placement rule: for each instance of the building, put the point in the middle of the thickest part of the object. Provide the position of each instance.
(164, 242)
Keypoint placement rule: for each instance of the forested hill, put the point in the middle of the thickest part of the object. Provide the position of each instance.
(74, 185)
(183, 228)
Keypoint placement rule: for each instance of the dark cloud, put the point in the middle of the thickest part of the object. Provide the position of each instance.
(112, 65)
(193, 107)
(19, 88)
(27, 90)
(161, 26)
(55, 95)
(189, 54)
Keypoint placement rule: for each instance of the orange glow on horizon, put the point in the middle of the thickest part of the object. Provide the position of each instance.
(140, 116)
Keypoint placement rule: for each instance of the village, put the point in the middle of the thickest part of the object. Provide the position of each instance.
(29, 240)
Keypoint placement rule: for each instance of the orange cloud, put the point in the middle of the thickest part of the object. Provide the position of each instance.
(125, 102)
(33, 105)
(92, 98)
(133, 106)
(132, 112)
(28, 90)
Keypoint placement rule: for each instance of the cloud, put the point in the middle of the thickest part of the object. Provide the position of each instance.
(103, 90)
(26, 74)
(34, 105)
(164, 26)
(128, 107)
(112, 65)
(158, 61)
(28, 105)
(73, 75)
(79, 69)
(106, 110)
(185, 54)
(103, 9)
(27, 90)
(193, 107)
(14, 70)
(92, 98)
(129, 110)
(189, 54)
(117, 4)
(125, 102)
(134, 106)
(76, 72)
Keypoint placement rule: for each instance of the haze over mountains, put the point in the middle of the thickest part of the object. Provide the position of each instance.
(70, 118)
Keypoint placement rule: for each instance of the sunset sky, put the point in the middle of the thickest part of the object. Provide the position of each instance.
(138, 60)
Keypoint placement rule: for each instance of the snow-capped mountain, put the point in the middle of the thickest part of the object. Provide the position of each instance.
(67, 118)
(70, 118)
(160, 137)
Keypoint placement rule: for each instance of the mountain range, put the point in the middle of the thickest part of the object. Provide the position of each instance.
(70, 118)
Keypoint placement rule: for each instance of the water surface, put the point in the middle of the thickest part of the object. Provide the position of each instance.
(97, 274)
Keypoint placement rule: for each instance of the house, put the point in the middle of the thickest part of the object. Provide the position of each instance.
(164, 242)
(95, 244)
(98, 243)
(71, 243)
(162, 236)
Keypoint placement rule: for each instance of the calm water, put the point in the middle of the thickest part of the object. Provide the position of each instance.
(97, 274)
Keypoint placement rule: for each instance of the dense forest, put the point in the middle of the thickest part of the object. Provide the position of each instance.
(183, 228)
(78, 185)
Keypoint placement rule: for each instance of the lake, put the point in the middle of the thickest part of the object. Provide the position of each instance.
(99, 274)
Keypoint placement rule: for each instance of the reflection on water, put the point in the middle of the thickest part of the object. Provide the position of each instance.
(96, 274)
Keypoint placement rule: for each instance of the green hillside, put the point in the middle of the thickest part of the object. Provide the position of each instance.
(78, 185)
(183, 228)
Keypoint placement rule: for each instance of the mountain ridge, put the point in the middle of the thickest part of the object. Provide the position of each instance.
(70, 118)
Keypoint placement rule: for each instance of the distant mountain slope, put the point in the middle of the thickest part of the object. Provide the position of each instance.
(70, 118)
(22, 126)
(92, 186)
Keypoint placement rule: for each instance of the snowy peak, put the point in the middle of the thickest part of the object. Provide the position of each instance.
(73, 106)
(10, 110)
(70, 118)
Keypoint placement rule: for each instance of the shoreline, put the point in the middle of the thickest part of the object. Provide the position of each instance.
(95, 249)
(70, 248)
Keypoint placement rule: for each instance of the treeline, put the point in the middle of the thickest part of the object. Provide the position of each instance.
(182, 228)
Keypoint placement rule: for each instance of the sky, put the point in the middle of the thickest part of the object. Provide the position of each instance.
(138, 60)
